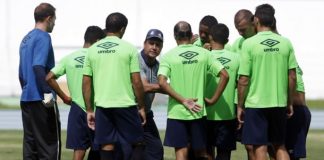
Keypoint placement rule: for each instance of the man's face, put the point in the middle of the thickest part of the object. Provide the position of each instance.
(50, 23)
(203, 33)
(245, 28)
(153, 47)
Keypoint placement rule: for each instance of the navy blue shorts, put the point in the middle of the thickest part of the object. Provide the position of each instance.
(179, 133)
(222, 134)
(112, 123)
(79, 135)
(297, 129)
(264, 125)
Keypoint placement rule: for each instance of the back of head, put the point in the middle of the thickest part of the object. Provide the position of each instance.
(115, 22)
(208, 21)
(93, 34)
(182, 31)
(219, 33)
(265, 13)
(42, 11)
(242, 15)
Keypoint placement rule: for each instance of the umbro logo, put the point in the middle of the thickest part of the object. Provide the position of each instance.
(270, 42)
(223, 60)
(188, 55)
(107, 45)
(80, 59)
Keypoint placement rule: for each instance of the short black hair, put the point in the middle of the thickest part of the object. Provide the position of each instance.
(219, 33)
(42, 11)
(243, 14)
(208, 21)
(115, 22)
(265, 13)
(93, 34)
(182, 30)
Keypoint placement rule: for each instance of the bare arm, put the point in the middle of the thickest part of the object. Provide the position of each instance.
(87, 94)
(139, 94)
(223, 75)
(291, 90)
(189, 103)
(51, 81)
(243, 83)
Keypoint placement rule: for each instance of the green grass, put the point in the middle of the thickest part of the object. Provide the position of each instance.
(11, 146)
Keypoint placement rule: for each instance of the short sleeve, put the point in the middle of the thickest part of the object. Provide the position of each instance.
(60, 68)
(134, 64)
(87, 68)
(164, 68)
(245, 60)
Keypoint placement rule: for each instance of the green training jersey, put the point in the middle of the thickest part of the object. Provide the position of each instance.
(224, 108)
(186, 67)
(299, 83)
(237, 45)
(72, 66)
(110, 62)
(266, 59)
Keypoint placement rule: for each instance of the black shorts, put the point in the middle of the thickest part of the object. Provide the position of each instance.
(112, 123)
(222, 134)
(179, 133)
(79, 135)
(297, 129)
(264, 125)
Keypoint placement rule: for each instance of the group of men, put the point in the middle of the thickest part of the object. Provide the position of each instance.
(112, 88)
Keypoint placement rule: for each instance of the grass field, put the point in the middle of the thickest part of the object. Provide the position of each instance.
(11, 146)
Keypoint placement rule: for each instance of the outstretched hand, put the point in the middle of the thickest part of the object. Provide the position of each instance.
(191, 104)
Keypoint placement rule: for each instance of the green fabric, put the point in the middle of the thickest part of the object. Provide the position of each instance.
(300, 83)
(110, 62)
(266, 59)
(72, 66)
(237, 45)
(224, 108)
(186, 67)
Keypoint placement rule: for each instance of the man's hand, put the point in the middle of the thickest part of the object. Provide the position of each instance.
(207, 46)
(240, 116)
(91, 119)
(191, 105)
(141, 112)
(290, 111)
(67, 100)
(48, 100)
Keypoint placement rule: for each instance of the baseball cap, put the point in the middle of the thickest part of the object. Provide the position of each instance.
(154, 33)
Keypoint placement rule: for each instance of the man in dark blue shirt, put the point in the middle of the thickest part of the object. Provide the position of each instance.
(39, 111)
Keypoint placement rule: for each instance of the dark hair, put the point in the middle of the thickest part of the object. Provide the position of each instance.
(182, 30)
(219, 33)
(115, 22)
(208, 21)
(42, 11)
(265, 14)
(93, 34)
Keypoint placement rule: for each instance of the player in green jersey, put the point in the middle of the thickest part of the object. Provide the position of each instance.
(266, 85)
(205, 23)
(244, 26)
(221, 117)
(186, 67)
(112, 68)
(79, 135)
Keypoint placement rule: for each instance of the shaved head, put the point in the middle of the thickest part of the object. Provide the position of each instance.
(242, 15)
(182, 30)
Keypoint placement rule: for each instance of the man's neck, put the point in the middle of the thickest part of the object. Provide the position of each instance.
(217, 46)
(41, 26)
